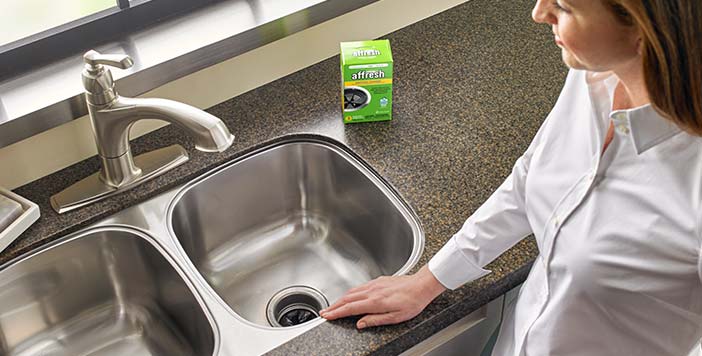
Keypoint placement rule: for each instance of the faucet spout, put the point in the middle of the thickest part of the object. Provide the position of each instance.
(112, 116)
(112, 121)
(208, 131)
(112, 127)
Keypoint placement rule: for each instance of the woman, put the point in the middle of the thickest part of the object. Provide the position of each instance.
(611, 187)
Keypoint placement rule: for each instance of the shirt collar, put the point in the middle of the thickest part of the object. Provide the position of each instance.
(643, 125)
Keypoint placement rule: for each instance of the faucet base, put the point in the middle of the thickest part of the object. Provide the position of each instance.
(92, 188)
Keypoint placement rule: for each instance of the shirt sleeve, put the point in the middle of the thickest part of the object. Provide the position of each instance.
(496, 226)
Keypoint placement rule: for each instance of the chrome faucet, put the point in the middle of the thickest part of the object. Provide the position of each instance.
(112, 116)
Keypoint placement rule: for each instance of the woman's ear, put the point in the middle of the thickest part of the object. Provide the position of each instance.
(639, 46)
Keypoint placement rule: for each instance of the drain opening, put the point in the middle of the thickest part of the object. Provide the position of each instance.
(295, 305)
(356, 98)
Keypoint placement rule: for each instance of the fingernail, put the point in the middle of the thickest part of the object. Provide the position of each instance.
(362, 325)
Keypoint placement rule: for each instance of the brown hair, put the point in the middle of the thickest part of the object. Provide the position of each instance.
(672, 55)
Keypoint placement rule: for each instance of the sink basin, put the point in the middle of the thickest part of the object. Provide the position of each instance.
(101, 292)
(306, 217)
(236, 262)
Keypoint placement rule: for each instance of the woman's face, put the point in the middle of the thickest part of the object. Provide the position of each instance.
(589, 34)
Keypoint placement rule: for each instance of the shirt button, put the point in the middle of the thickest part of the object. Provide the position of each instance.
(620, 116)
(556, 222)
(623, 129)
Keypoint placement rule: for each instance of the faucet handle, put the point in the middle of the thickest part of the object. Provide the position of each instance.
(97, 80)
(93, 59)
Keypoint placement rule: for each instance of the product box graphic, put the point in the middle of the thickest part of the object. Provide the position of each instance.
(366, 81)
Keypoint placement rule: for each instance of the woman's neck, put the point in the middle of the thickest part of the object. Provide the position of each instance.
(631, 91)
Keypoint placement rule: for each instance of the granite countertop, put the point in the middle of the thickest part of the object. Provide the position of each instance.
(471, 88)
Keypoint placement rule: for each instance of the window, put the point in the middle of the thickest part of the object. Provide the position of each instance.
(36, 32)
(28, 17)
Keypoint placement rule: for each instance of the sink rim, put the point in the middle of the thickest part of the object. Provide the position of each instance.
(346, 153)
(144, 236)
(150, 219)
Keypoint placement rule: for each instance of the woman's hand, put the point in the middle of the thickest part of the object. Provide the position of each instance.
(387, 300)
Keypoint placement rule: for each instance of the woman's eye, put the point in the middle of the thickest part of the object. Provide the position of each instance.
(558, 6)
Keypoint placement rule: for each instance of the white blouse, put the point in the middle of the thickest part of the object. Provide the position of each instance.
(619, 270)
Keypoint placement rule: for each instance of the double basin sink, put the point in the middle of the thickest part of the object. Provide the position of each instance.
(235, 262)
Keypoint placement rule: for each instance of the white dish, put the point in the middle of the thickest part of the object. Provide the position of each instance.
(29, 215)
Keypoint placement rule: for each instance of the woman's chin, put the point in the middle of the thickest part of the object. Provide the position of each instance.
(570, 60)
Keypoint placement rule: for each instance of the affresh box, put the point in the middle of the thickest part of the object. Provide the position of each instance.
(366, 81)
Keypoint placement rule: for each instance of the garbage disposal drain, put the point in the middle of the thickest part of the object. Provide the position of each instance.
(295, 305)
(356, 98)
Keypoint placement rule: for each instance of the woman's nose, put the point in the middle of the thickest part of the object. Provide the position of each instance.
(542, 12)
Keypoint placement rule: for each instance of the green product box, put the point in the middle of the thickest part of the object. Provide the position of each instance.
(366, 81)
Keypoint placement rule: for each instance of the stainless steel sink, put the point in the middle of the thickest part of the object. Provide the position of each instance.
(101, 292)
(208, 267)
(298, 214)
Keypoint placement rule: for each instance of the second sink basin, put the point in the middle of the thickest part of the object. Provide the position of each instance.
(306, 217)
(102, 292)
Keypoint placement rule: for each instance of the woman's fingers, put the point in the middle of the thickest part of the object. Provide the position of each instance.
(387, 300)
(354, 294)
(345, 310)
(371, 320)
(364, 306)
(349, 297)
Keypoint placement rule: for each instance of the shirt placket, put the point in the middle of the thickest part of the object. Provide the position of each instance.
(563, 210)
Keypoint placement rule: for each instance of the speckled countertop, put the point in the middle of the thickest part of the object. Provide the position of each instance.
(471, 87)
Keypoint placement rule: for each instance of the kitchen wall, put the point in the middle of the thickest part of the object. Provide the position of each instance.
(55, 149)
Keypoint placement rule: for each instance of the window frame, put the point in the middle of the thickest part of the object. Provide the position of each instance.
(88, 32)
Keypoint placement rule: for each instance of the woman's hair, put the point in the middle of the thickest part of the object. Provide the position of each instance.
(671, 33)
